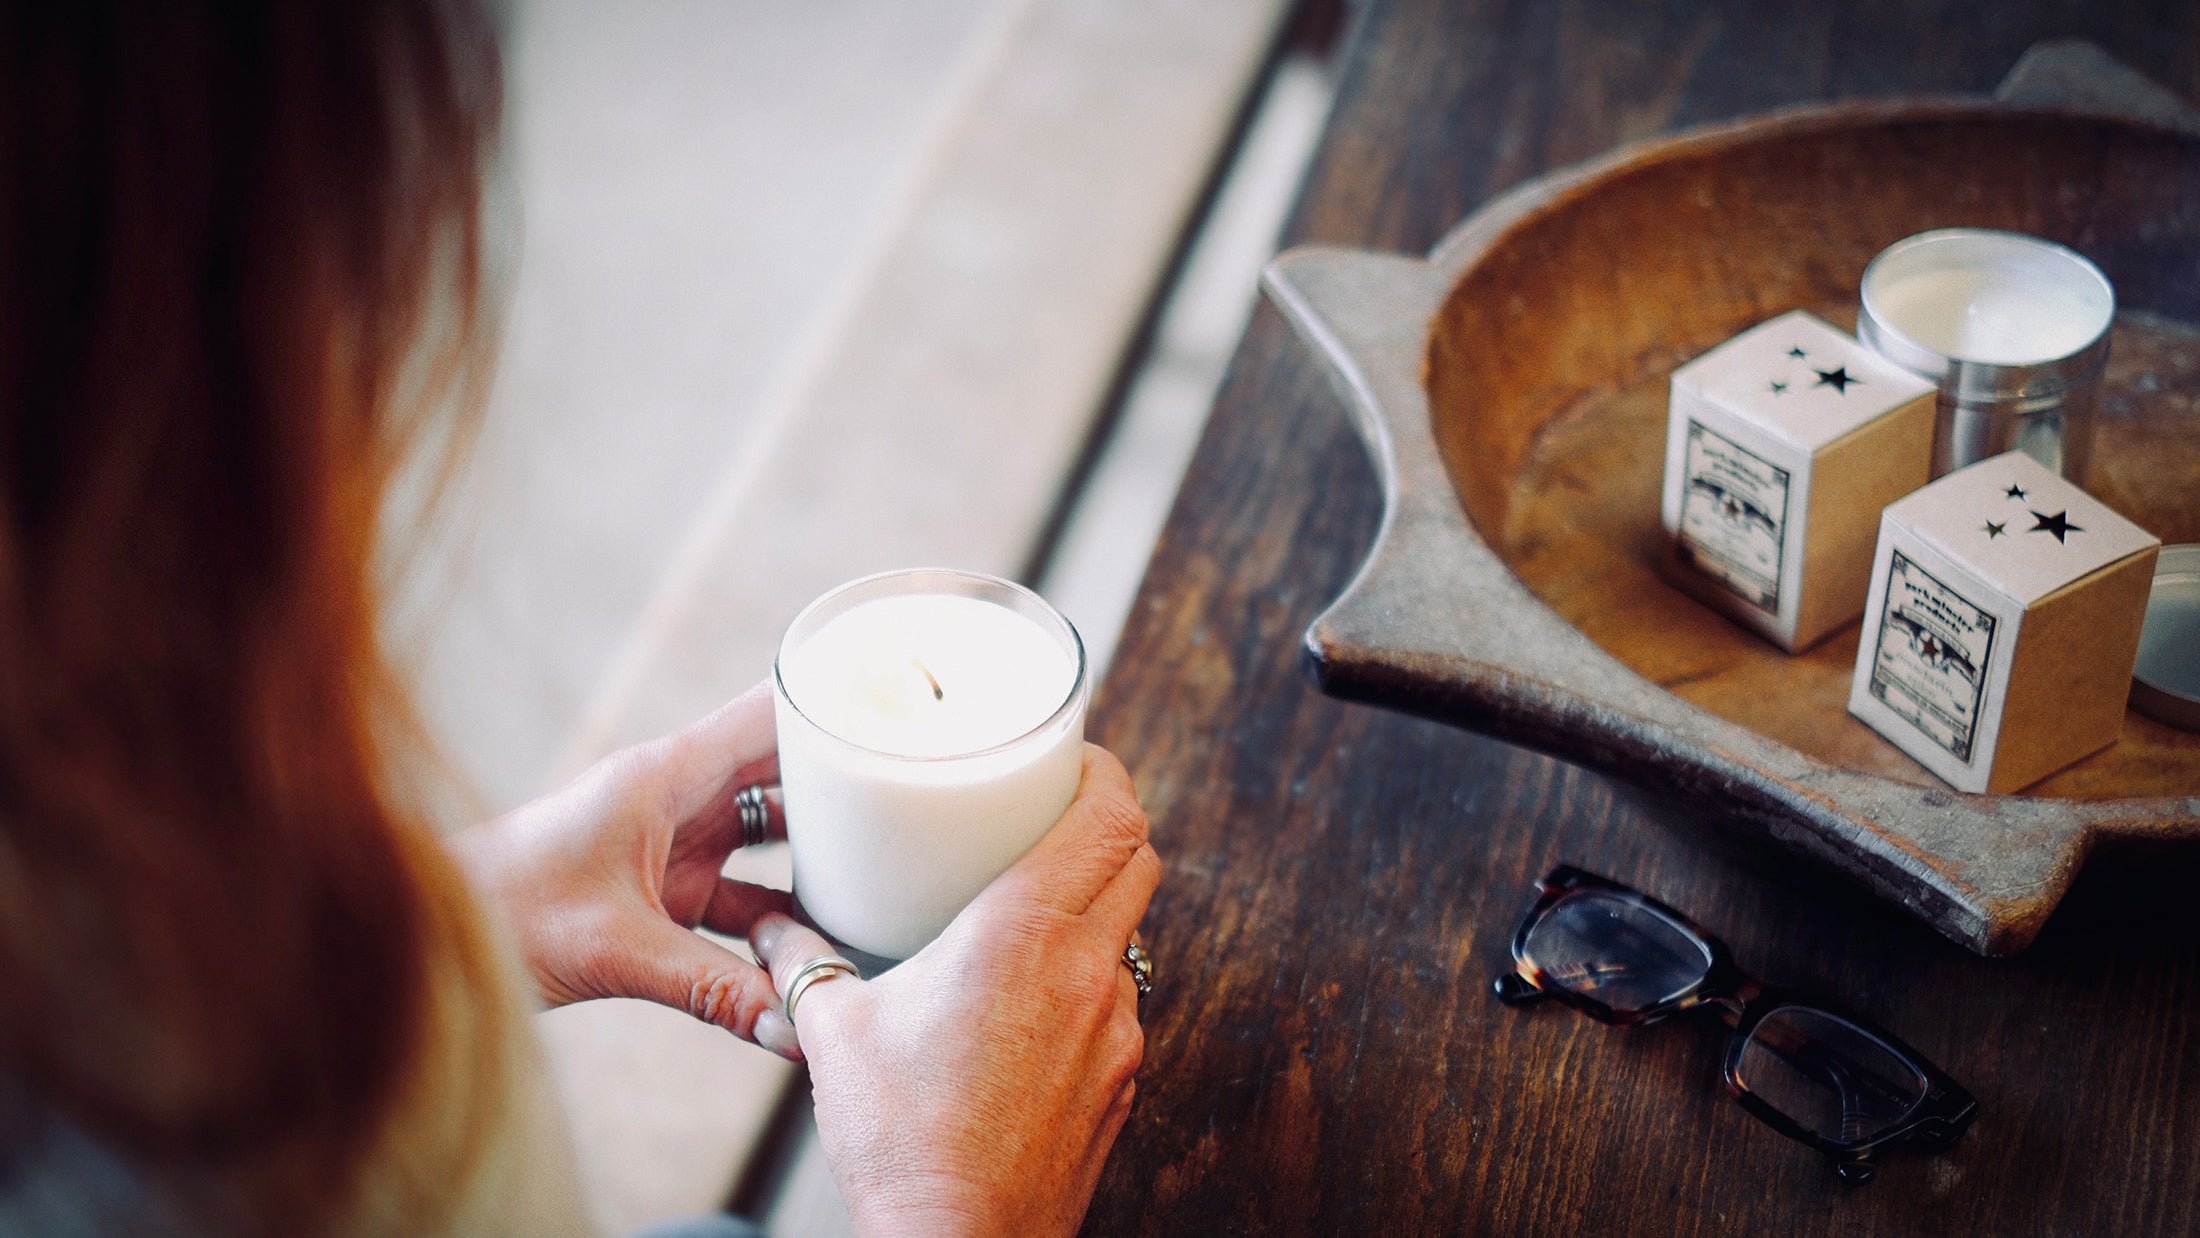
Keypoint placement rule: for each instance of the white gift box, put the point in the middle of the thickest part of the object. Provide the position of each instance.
(1782, 445)
(2002, 625)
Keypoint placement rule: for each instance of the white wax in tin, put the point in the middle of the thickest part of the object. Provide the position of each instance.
(1996, 298)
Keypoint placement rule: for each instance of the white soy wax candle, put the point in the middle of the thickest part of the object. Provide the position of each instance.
(931, 729)
(2013, 328)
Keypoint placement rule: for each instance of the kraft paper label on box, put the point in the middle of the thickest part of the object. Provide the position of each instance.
(1930, 666)
(1734, 515)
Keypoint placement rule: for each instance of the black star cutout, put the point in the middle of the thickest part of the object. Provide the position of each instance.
(2014, 491)
(2055, 524)
(1931, 649)
(1797, 352)
(1779, 388)
(1994, 528)
(1836, 378)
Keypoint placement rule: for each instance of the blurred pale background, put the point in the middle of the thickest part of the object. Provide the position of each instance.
(690, 184)
(798, 291)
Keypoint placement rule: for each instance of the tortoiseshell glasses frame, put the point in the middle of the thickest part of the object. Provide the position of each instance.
(1805, 1039)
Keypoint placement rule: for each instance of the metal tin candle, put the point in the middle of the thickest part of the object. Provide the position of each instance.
(2013, 328)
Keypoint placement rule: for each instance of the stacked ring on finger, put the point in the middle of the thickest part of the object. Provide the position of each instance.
(754, 812)
(823, 967)
(1141, 965)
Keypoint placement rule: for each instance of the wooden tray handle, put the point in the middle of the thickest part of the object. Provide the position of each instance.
(2075, 75)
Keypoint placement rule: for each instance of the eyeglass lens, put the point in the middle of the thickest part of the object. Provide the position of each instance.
(1836, 1079)
(1615, 950)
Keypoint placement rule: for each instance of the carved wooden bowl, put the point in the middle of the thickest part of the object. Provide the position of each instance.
(1511, 387)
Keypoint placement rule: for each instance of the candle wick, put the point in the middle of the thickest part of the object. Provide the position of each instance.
(938, 693)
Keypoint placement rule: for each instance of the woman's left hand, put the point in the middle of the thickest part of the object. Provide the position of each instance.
(604, 881)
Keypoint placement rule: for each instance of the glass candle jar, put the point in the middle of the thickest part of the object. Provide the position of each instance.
(931, 729)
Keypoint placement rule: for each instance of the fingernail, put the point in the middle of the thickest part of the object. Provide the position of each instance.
(765, 932)
(776, 1034)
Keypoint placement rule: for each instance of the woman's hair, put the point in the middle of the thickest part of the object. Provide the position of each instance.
(239, 257)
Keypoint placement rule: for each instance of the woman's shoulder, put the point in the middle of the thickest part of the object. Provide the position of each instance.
(59, 1181)
(480, 1116)
(474, 1144)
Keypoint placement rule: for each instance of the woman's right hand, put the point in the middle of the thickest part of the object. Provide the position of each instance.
(977, 1087)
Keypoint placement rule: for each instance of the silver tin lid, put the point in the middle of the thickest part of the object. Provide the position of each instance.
(2057, 360)
(2166, 683)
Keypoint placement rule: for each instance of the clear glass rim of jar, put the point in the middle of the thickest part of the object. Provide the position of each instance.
(972, 585)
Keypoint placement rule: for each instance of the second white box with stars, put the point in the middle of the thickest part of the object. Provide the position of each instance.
(2004, 619)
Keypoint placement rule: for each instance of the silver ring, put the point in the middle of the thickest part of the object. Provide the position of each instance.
(823, 967)
(1141, 965)
(755, 813)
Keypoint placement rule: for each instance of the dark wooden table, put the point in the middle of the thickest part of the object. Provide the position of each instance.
(1323, 1054)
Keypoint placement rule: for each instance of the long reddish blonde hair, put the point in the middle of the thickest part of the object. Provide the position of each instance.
(228, 228)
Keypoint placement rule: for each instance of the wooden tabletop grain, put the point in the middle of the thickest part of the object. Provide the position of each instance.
(1323, 1053)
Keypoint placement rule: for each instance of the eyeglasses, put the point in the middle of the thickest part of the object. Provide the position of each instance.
(1830, 1080)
